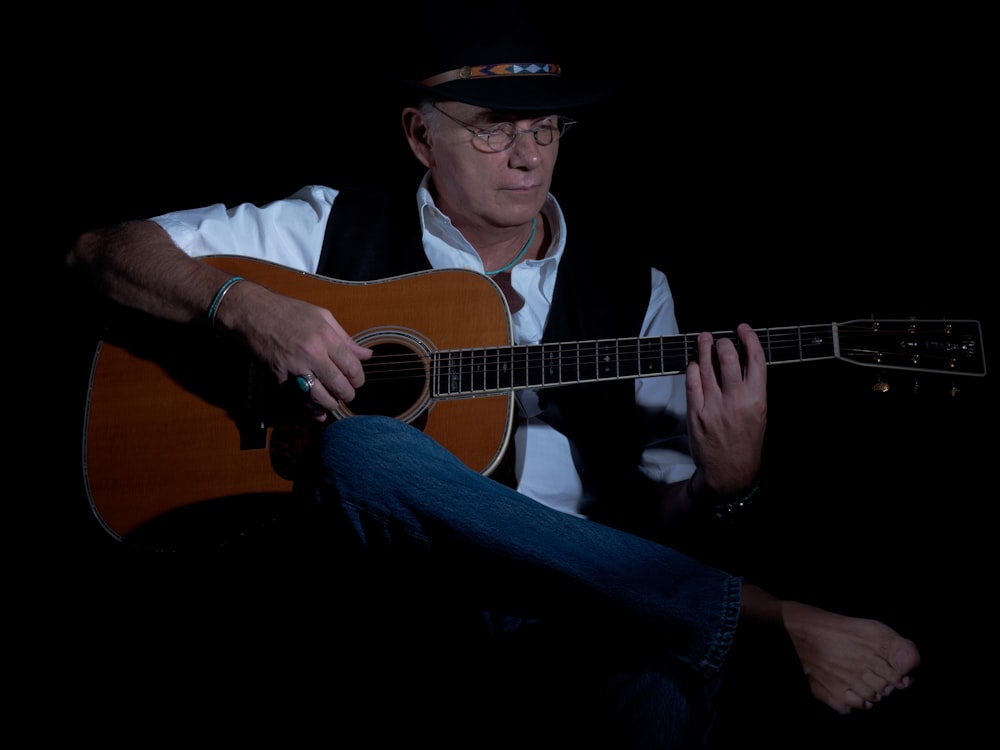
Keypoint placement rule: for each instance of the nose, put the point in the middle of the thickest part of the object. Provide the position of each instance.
(526, 151)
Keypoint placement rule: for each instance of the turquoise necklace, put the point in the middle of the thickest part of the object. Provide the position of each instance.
(517, 258)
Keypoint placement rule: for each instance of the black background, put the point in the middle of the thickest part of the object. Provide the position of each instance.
(799, 167)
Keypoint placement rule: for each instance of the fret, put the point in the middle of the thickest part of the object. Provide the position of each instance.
(551, 364)
(607, 359)
(495, 368)
(650, 355)
(534, 367)
(445, 379)
(519, 366)
(628, 358)
(799, 343)
(765, 341)
(569, 362)
(690, 348)
(504, 368)
(588, 360)
(465, 372)
(477, 371)
(818, 344)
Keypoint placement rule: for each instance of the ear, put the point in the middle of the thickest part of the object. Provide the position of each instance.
(418, 135)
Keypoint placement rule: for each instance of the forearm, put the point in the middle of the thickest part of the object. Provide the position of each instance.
(137, 265)
(674, 503)
(684, 499)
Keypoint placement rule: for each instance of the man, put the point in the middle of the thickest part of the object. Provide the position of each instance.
(570, 563)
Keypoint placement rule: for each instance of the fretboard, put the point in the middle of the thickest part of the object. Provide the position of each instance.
(467, 372)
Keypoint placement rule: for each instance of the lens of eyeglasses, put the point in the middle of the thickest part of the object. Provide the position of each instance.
(502, 136)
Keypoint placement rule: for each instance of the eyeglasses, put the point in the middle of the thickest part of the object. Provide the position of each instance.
(501, 136)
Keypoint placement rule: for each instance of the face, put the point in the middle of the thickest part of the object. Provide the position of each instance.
(475, 186)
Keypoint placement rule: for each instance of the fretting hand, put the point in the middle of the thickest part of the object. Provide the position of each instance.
(727, 413)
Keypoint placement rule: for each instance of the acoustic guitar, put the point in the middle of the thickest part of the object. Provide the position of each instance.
(174, 421)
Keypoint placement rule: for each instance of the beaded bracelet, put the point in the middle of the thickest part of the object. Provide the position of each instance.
(727, 510)
(213, 309)
(721, 511)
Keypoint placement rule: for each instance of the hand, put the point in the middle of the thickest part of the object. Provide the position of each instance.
(294, 338)
(727, 413)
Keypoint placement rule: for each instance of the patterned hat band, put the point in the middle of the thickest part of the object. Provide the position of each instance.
(472, 72)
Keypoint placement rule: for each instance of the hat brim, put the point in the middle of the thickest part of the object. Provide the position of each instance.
(543, 93)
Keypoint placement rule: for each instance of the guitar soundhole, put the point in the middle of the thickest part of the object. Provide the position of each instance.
(396, 383)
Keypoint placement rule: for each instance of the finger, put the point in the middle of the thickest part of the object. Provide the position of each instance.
(341, 375)
(322, 386)
(332, 387)
(706, 363)
(317, 412)
(695, 391)
(347, 356)
(698, 369)
(730, 365)
(754, 359)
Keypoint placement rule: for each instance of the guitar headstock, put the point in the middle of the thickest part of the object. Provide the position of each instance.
(952, 347)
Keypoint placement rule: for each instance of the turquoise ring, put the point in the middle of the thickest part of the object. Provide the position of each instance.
(305, 382)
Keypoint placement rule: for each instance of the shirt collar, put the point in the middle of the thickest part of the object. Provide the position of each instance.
(436, 224)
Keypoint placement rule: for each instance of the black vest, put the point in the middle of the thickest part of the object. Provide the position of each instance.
(374, 234)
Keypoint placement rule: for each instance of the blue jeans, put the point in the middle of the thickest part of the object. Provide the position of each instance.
(640, 628)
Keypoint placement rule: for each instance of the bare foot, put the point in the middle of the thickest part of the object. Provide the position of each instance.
(850, 663)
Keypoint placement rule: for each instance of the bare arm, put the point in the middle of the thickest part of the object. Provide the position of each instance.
(137, 265)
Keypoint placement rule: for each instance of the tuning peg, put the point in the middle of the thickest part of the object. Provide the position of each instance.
(916, 386)
(954, 390)
(880, 386)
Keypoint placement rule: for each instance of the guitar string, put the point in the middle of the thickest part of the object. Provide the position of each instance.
(626, 354)
(629, 352)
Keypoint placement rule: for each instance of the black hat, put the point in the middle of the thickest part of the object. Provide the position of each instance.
(503, 62)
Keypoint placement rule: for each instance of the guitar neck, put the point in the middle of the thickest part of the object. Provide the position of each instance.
(929, 346)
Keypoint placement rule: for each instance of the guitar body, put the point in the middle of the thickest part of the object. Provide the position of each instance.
(200, 421)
